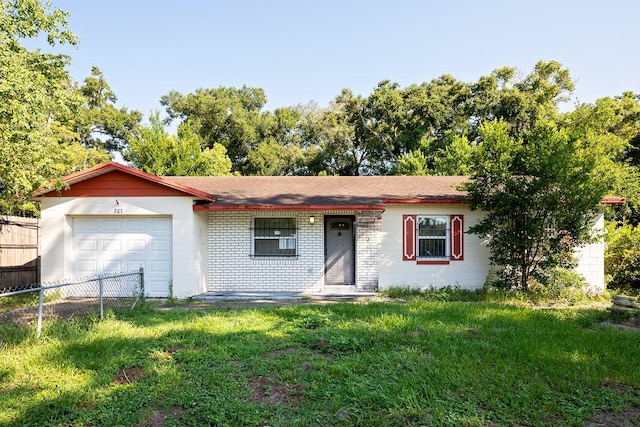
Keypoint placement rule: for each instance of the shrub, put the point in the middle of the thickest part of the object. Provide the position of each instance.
(622, 257)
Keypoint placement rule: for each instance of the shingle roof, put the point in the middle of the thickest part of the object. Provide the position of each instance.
(362, 192)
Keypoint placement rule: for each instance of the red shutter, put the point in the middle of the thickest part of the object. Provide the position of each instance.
(409, 226)
(457, 237)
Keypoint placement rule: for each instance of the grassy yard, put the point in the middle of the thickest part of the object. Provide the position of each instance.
(385, 363)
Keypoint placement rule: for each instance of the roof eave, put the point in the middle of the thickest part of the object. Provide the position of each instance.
(227, 208)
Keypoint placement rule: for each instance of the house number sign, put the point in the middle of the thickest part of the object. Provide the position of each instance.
(117, 209)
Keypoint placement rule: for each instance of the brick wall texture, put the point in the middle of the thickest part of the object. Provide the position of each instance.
(232, 268)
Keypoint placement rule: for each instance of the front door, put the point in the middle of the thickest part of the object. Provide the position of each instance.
(339, 250)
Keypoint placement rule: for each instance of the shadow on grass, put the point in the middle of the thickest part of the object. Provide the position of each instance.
(338, 364)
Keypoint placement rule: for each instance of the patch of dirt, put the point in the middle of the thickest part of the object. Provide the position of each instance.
(631, 324)
(173, 349)
(627, 418)
(159, 417)
(128, 376)
(267, 392)
(320, 343)
(289, 350)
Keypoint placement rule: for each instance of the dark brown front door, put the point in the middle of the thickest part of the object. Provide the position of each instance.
(339, 250)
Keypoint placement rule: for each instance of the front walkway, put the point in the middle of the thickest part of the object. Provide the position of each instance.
(282, 298)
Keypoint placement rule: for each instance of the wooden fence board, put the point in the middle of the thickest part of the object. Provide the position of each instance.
(19, 253)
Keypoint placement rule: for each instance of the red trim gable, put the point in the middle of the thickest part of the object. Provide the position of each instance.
(115, 180)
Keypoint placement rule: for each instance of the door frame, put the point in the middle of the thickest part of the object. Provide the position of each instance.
(351, 219)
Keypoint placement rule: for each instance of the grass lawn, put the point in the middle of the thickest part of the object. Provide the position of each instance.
(385, 363)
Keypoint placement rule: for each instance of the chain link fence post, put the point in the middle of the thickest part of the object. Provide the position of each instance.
(101, 287)
(142, 284)
(40, 304)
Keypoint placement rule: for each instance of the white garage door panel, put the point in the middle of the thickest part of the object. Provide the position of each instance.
(137, 245)
(114, 244)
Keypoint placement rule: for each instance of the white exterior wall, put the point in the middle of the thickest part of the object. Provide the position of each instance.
(469, 273)
(188, 234)
(590, 259)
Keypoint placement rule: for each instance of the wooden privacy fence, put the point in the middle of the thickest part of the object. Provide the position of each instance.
(19, 257)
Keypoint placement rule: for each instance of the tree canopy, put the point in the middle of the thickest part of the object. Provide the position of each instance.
(36, 94)
(155, 151)
(49, 126)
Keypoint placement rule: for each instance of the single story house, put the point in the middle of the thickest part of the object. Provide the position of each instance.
(269, 233)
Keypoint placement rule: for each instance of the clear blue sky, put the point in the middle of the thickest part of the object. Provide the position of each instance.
(308, 50)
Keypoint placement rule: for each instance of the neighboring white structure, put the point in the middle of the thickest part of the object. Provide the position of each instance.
(269, 234)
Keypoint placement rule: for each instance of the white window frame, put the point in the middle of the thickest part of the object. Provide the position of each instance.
(287, 241)
(446, 237)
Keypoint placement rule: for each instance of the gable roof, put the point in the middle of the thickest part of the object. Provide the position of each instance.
(323, 192)
(114, 179)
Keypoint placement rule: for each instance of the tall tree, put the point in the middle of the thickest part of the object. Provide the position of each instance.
(155, 151)
(611, 126)
(228, 116)
(330, 144)
(100, 124)
(520, 102)
(35, 92)
(394, 122)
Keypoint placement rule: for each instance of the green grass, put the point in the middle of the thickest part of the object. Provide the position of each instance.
(417, 362)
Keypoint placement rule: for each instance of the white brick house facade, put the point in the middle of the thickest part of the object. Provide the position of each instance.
(232, 268)
(329, 234)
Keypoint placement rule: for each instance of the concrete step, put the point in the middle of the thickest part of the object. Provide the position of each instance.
(340, 289)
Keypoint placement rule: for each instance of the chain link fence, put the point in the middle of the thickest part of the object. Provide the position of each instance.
(27, 308)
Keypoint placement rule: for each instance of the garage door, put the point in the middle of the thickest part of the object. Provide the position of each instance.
(115, 244)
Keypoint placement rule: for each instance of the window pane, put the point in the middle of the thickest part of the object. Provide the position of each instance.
(432, 226)
(274, 237)
(432, 248)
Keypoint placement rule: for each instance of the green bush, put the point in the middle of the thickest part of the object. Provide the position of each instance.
(445, 293)
(622, 257)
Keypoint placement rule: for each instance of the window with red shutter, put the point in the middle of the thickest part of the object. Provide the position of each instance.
(433, 239)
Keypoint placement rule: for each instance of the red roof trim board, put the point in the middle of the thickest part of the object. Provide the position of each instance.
(424, 201)
(108, 167)
(613, 200)
(214, 207)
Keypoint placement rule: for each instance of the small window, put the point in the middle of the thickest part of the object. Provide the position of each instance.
(275, 237)
(433, 235)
